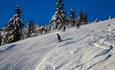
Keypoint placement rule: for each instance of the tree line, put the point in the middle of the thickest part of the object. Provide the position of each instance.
(15, 30)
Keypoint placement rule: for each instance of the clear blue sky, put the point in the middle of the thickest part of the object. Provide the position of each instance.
(41, 11)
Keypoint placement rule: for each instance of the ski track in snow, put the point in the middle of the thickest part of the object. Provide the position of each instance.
(76, 52)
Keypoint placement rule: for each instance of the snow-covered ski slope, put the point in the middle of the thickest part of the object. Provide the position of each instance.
(92, 47)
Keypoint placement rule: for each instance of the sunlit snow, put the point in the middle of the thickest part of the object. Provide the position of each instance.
(91, 47)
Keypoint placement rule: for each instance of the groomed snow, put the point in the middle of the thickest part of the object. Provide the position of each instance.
(92, 47)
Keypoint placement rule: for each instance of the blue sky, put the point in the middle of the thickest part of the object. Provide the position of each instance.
(41, 11)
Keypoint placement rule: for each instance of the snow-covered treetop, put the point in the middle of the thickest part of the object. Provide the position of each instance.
(15, 20)
(18, 11)
(72, 13)
(59, 5)
(59, 11)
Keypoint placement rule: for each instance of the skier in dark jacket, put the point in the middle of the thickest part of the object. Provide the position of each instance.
(59, 38)
(64, 28)
(78, 25)
(0, 39)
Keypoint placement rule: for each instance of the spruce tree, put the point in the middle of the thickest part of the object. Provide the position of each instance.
(72, 17)
(58, 20)
(31, 28)
(14, 27)
(83, 17)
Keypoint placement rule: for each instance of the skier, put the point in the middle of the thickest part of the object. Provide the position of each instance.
(64, 28)
(59, 38)
(78, 25)
(0, 39)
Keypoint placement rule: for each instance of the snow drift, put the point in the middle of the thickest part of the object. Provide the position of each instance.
(89, 48)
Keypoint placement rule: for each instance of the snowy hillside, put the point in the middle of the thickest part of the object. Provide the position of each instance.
(92, 47)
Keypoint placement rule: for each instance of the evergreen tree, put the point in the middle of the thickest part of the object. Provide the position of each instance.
(58, 20)
(31, 29)
(72, 17)
(42, 30)
(14, 27)
(83, 17)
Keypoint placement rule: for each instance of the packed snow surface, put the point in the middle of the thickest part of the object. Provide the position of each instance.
(91, 47)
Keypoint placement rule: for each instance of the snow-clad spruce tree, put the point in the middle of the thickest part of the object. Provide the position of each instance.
(31, 28)
(83, 17)
(72, 17)
(58, 19)
(14, 28)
